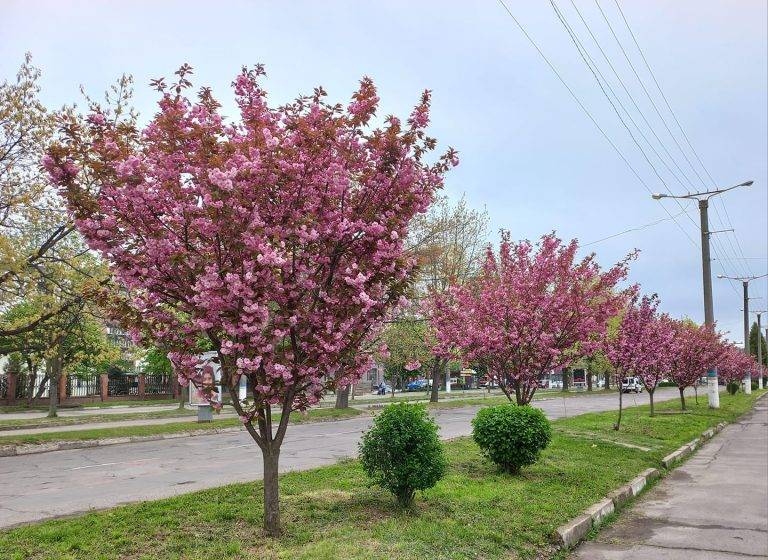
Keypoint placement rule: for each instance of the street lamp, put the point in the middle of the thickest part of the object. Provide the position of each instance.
(706, 269)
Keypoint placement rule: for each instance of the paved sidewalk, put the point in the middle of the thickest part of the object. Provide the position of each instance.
(714, 507)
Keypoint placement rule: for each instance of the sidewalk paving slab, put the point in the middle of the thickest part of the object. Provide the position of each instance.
(714, 507)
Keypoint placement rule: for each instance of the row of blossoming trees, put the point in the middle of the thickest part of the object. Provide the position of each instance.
(531, 310)
(278, 240)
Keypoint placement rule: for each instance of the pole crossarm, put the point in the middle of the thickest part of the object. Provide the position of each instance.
(742, 278)
(706, 195)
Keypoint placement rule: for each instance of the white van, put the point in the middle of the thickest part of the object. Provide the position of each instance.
(631, 385)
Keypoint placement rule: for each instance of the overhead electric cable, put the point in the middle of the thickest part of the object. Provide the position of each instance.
(588, 114)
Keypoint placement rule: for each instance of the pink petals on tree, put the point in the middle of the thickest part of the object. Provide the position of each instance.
(531, 309)
(278, 237)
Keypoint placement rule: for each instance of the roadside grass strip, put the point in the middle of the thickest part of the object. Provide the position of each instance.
(181, 428)
(332, 512)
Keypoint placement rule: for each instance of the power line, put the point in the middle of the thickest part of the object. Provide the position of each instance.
(632, 99)
(588, 114)
(638, 228)
(727, 223)
(598, 75)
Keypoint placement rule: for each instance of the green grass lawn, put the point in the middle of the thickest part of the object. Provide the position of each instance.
(316, 415)
(331, 512)
(90, 419)
(108, 404)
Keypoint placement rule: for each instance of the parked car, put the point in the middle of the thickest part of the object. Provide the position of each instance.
(417, 385)
(631, 385)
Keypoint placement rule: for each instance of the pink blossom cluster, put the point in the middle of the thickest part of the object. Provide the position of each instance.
(532, 308)
(278, 238)
(734, 365)
(696, 349)
(652, 346)
(644, 344)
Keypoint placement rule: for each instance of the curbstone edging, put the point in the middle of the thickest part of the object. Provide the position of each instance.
(600, 510)
(636, 485)
(651, 474)
(7, 450)
(574, 531)
(620, 495)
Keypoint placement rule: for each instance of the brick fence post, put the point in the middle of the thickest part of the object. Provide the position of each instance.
(104, 386)
(175, 387)
(142, 385)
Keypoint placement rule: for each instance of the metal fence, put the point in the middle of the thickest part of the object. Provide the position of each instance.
(83, 385)
(157, 384)
(119, 385)
(3, 386)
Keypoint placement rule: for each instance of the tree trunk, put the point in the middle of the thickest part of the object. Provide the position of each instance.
(682, 397)
(181, 397)
(589, 381)
(31, 378)
(607, 377)
(617, 425)
(53, 387)
(272, 492)
(696, 392)
(342, 397)
(566, 379)
(436, 366)
(650, 395)
(518, 395)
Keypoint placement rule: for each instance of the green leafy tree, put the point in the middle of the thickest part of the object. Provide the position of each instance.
(407, 345)
(754, 337)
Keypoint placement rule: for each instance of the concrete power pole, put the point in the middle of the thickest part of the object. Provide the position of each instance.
(713, 391)
(745, 280)
(759, 353)
(748, 377)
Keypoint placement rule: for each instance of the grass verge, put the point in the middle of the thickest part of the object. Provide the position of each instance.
(42, 405)
(331, 512)
(19, 424)
(317, 415)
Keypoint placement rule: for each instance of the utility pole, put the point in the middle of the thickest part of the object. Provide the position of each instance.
(713, 392)
(759, 352)
(745, 280)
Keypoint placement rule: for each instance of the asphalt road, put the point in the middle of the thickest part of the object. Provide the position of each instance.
(714, 507)
(42, 486)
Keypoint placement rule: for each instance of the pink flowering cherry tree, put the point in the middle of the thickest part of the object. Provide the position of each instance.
(642, 347)
(696, 349)
(533, 308)
(276, 237)
(734, 365)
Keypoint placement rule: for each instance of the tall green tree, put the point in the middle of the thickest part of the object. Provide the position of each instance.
(754, 336)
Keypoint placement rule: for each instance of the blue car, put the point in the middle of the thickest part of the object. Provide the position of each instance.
(417, 385)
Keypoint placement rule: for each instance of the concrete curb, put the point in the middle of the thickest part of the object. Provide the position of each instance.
(572, 533)
(33, 448)
(684, 451)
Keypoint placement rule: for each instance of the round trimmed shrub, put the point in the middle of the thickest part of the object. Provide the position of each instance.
(511, 436)
(402, 452)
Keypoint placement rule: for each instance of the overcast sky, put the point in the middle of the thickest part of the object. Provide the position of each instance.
(528, 152)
